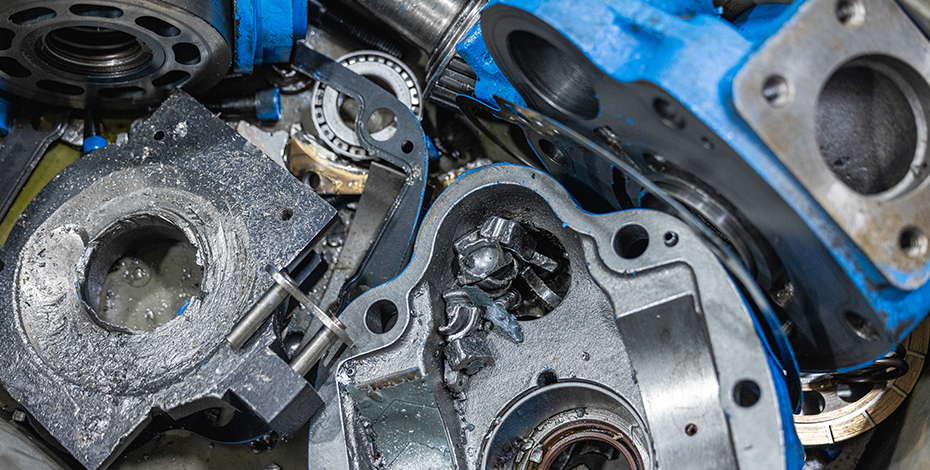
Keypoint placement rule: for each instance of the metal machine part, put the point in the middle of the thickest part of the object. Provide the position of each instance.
(334, 114)
(322, 169)
(835, 410)
(33, 131)
(265, 31)
(185, 178)
(652, 358)
(407, 149)
(112, 53)
(687, 137)
(434, 27)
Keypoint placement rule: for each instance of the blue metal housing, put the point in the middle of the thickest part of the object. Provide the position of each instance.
(693, 54)
(265, 31)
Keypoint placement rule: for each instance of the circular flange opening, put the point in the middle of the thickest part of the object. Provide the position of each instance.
(139, 274)
(560, 78)
(94, 51)
(870, 125)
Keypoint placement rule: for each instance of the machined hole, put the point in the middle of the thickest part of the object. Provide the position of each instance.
(382, 124)
(158, 26)
(559, 77)
(99, 11)
(546, 377)
(850, 12)
(691, 429)
(286, 214)
(862, 327)
(13, 68)
(140, 273)
(172, 79)
(746, 393)
(669, 114)
(406, 147)
(60, 88)
(381, 316)
(913, 243)
(186, 53)
(32, 15)
(868, 125)
(631, 241)
(159, 135)
(776, 91)
(853, 392)
(553, 152)
(6, 38)
(813, 403)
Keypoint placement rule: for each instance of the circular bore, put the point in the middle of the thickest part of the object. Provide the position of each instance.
(578, 437)
(870, 126)
(110, 54)
(833, 413)
(334, 113)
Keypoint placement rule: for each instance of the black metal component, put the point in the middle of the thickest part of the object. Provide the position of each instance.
(335, 20)
(32, 132)
(407, 149)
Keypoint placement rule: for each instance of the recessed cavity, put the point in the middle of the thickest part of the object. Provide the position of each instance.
(746, 393)
(553, 152)
(158, 26)
(99, 11)
(631, 241)
(850, 12)
(866, 126)
(186, 53)
(60, 88)
(6, 38)
(853, 392)
(93, 51)
(381, 316)
(813, 403)
(668, 114)
(32, 15)
(13, 68)
(382, 124)
(140, 273)
(562, 78)
(913, 243)
(776, 91)
(862, 327)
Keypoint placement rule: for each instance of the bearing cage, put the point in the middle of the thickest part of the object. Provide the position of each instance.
(187, 47)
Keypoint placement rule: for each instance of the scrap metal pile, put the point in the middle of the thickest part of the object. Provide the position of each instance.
(465, 234)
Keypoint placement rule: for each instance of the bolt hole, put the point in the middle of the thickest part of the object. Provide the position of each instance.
(850, 12)
(706, 143)
(407, 147)
(382, 124)
(631, 241)
(913, 243)
(312, 179)
(865, 329)
(553, 152)
(746, 393)
(32, 15)
(813, 403)
(159, 135)
(776, 91)
(851, 393)
(691, 429)
(670, 239)
(6, 38)
(669, 114)
(286, 214)
(381, 316)
(546, 377)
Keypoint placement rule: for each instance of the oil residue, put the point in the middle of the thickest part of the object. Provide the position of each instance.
(150, 285)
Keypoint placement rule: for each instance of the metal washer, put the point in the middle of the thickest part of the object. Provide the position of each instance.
(382, 69)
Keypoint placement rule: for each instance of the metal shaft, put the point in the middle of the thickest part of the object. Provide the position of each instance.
(314, 350)
(257, 315)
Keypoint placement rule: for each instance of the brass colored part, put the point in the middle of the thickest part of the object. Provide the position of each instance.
(336, 177)
(841, 420)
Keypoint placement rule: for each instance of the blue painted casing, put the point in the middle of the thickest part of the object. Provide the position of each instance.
(265, 31)
(688, 50)
(4, 117)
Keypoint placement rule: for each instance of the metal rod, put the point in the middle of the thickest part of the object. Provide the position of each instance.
(256, 316)
(314, 350)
